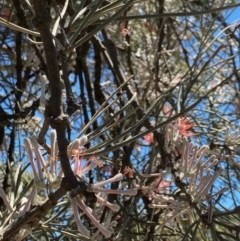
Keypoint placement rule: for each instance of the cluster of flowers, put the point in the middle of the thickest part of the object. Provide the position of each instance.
(48, 174)
(39, 167)
(76, 150)
(194, 170)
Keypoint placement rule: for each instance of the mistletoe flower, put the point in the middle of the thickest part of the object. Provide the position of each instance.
(76, 150)
(232, 138)
(184, 126)
(36, 167)
(25, 206)
(77, 201)
(98, 188)
(26, 202)
(191, 159)
(158, 186)
(194, 170)
(114, 207)
(175, 131)
(38, 164)
(78, 144)
(80, 167)
(172, 215)
(86, 210)
(177, 205)
(81, 228)
(125, 32)
(54, 179)
(173, 208)
(107, 223)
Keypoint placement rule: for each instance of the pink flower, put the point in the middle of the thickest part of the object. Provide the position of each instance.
(98, 187)
(184, 126)
(125, 32)
(128, 172)
(77, 150)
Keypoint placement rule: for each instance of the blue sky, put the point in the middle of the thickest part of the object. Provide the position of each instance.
(235, 16)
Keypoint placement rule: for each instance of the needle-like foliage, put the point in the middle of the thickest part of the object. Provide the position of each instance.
(119, 120)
